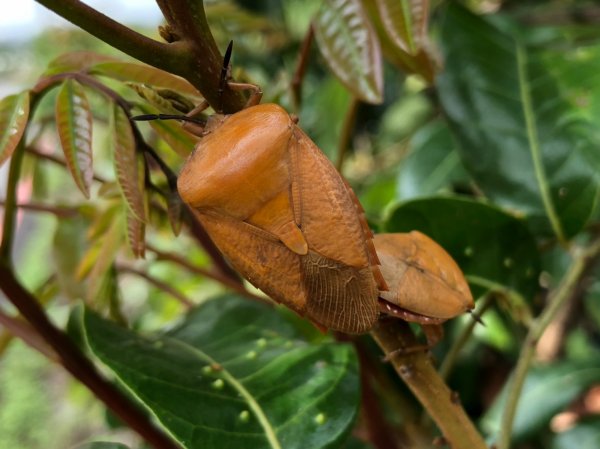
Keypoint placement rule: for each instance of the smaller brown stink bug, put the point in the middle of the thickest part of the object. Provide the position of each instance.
(426, 285)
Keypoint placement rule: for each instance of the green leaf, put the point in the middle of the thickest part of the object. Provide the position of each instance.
(102, 445)
(141, 73)
(14, 113)
(68, 248)
(526, 146)
(585, 435)
(433, 163)
(74, 124)
(494, 249)
(547, 391)
(76, 61)
(235, 374)
(126, 162)
(350, 48)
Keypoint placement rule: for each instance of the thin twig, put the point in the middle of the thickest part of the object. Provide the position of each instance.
(24, 331)
(71, 357)
(60, 212)
(346, 133)
(10, 217)
(565, 291)
(158, 284)
(464, 336)
(55, 160)
(296, 84)
(236, 286)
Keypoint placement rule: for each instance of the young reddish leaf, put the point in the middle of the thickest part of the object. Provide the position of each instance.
(423, 61)
(136, 232)
(14, 113)
(350, 47)
(405, 22)
(139, 73)
(76, 61)
(126, 163)
(74, 123)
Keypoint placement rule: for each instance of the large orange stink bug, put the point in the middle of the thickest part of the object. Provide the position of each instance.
(290, 224)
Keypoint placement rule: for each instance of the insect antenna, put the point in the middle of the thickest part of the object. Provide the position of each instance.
(184, 118)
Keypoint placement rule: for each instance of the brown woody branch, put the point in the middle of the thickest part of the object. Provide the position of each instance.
(71, 357)
(418, 373)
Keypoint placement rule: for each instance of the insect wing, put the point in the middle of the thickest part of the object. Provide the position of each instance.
(338, 269)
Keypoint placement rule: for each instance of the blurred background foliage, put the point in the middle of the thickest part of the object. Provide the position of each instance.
(446, 158)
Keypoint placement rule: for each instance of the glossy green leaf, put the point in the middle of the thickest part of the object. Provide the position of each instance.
(526, 146)
(494, 249)
(547, 390)
(235, 374)
(14, 113)
(141, 73)
(126, 162)
(405, 22)
(74, 124)
(350, 47)
(585, 435)
(432, 164)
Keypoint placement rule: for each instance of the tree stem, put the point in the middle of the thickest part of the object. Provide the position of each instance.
(394, 337)
(563, 293)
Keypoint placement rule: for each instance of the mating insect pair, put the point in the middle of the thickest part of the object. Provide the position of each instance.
(290, 224)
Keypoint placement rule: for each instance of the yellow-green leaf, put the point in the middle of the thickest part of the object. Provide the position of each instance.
(350, 47)
(14, 113)
(140, 73)
(74, 124)
(75, 61)
(126, 162)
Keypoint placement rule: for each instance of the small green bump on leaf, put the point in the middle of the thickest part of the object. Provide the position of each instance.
(507, 262)
(469, 251)
(245, 416)
(251, 355)
(320, 419)
(207, 370)
(218, 384)
(261, 342)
